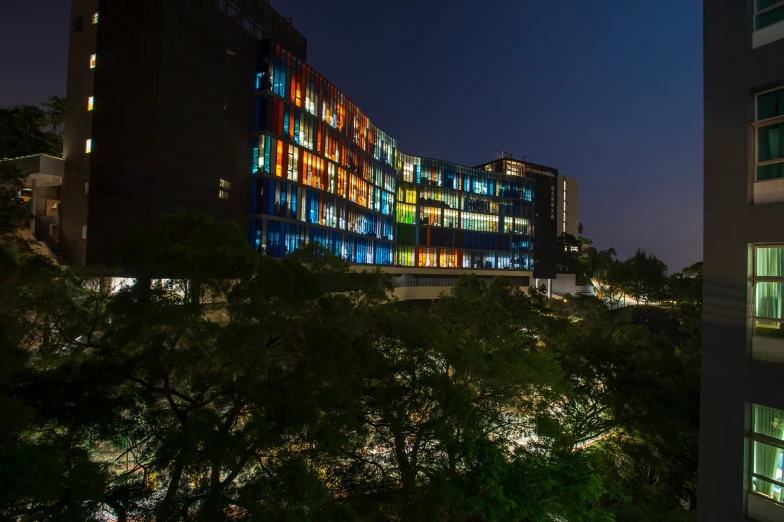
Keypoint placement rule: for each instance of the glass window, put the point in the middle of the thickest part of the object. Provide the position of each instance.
(88, 146)
(223, 194)
(769, 142)
(770, 104)
(770, 137)
(225, 184)
(92, 61)
(95, 18)
(767, 434)
(90, 102)
(768, 13)
(768, 285)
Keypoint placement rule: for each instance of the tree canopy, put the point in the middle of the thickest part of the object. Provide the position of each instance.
(29, 129)
(218, 384)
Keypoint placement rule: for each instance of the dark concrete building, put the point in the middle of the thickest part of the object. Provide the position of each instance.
(159, 112)
(742, 401)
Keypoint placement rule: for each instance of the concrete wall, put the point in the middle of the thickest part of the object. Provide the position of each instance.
(78, 128)
(733, 71)
(173, 115)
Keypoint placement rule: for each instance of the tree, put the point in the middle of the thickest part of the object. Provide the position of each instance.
(633, 396)
(220, 384)
(27, 129)
(645, 277)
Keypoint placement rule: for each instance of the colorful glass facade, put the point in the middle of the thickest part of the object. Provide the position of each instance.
(323, 172)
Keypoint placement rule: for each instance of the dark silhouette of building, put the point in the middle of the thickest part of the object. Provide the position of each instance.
(742, 398)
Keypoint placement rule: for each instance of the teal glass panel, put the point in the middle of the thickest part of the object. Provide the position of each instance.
(764, 4)
(770, 142)
(770, 17)
(770, 172)
(770, 104)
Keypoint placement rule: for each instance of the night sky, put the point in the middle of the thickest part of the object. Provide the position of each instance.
(608, 91)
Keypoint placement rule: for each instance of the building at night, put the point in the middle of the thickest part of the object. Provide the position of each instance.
(238, 126)
(742, 399)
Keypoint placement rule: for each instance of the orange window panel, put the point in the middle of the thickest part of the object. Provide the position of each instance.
(279, 159)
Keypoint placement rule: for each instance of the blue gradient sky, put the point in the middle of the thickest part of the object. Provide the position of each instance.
(608, 91)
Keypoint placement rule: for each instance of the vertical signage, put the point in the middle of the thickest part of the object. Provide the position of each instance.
(545, 222)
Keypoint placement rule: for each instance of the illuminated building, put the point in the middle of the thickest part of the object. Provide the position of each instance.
(741, 456)
(279, 150)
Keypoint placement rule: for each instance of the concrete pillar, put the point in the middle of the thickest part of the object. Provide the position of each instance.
(33, 203)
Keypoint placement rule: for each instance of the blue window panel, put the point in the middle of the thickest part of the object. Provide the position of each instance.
(286, 115)
(296, 127)
(275, 238)
(254, 193)
(268, 197)
(255, 234)
(255, 165)
(257, 114)
(268, 144)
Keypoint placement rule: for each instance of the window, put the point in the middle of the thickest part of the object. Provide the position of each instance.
(88, 146)
(77, 24)
(84, 231)
(767, 444)
(223, 194)
(768, 12)
(767, 290)
(225, 184)
(86, 188)
(95, 18)
(770, 135)
(90, 102)
(92, 61)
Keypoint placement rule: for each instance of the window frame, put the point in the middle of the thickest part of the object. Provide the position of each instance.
(758, 12)
(752, 437)
(758, 124)
(762, 279)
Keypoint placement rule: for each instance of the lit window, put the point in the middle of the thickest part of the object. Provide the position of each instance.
(225, 184)
(223, 194)
(767, 441)
(84, 231)
(768, 12)
(767, 290)
(86, 188)
(90, 101)
(88, 146)
(92, 61)
(95, 18)
(770, 135)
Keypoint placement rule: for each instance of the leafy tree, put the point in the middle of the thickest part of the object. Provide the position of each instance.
(634, 396)
(645, 277)
(219, 384)
(27, 129)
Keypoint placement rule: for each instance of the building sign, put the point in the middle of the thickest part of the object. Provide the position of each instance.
(545, 222)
